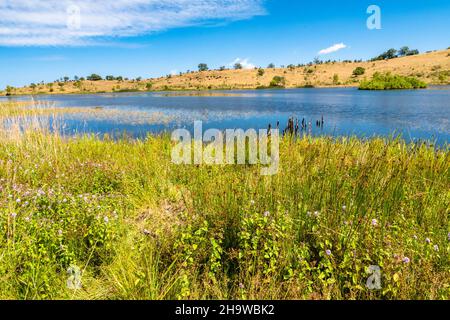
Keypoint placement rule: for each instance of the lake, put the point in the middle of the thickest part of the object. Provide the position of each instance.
(414, 114)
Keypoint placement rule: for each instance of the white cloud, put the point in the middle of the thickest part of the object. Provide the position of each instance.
(244, 62)
(88, 22)
(333, 48)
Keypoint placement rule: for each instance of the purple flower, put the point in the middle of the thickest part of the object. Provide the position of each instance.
(436, 247)
(266, 214)
(13, 215)
(428, 240)
(448, 236)
(406, 260)
(328, 252)
(241, 285)
(374, 222)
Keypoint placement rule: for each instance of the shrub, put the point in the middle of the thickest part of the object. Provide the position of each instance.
(278, 81)
(261, 72)
(335, 79)
(359, 71)
(388, 81)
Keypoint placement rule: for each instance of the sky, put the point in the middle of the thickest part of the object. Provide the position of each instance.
(44, 40)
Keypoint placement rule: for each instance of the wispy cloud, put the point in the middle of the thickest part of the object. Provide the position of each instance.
(333, 48)
(87, 22)
(49, 58)
(244, 63)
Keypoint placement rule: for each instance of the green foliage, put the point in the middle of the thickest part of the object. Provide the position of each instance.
(335, 79)
(203, 67)
(261, 72)
(388, 81)
(140, 227)
(359, 71)
(238, 66)
(278, 81)
(94, 77)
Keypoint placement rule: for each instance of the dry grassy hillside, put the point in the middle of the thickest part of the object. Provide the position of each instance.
(432, 67)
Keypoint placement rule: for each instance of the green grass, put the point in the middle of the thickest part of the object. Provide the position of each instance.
(140, 227)
(388, 81)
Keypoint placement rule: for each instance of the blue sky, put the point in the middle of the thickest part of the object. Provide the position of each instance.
(151, 38)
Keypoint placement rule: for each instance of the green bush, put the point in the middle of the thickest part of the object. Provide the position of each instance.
(359, 71)
(278, 81)
(387, 81)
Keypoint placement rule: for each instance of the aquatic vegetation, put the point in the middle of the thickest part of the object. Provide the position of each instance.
(137, 226)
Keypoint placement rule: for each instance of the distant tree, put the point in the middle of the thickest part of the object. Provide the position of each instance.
(238, 66)
(119, 78)
(94, 77)
(66, 78)
(317, 61)
(149, 86)
(412, 52)
(222, 68)
(76, 78)
(138, 79)
(203, 67)
(82, 79)
(359, 71)
(271, 66)
(403, 51)
(390, 54)
(9, 90)
(261, 72)
(110, 78)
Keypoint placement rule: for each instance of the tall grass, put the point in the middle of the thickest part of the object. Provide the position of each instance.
(139, 227)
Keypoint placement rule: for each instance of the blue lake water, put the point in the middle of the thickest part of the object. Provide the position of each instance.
(414, 114)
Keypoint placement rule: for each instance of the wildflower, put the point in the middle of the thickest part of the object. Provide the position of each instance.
(415, 237)
(266, 214)
(448, 236)
(13, 215)
(252, 202)
(241, 285)
(146, 232)
(328, 252)
(428, 240)
(374, 222)
(60, 232)
(106, 219)
(406, 260)
(436, 247)
(309, 214)
(18, 200)
(344, 208)
(316, 214)
(27, 219)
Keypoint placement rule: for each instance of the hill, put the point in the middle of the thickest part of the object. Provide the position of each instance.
(431, 68)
